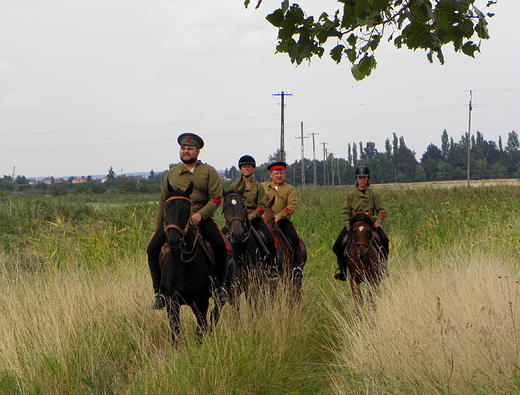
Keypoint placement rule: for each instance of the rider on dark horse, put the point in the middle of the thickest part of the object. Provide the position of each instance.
(360, 199)
(285, 203)
(206, 197)
(255, 200)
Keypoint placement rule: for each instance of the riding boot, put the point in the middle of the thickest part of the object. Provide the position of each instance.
(340, 271)
(158, 301)
(297, 273)
(220, 280)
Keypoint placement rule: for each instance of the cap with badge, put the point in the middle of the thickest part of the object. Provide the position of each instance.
(277, 166)
(190, 139)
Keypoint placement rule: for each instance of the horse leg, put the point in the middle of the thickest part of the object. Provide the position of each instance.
(174, 308)
(200, 309)
(356, 295)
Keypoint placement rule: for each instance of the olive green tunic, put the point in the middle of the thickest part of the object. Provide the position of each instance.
(285, 201)
(256, 198)
(207, 189)
(359, 201)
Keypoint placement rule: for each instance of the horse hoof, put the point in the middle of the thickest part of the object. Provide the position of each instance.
(339, 275)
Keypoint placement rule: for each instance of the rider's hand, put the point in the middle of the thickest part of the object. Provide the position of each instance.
(196, 218)
(276, 218)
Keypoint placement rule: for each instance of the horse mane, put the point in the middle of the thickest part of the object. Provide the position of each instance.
(361, 217)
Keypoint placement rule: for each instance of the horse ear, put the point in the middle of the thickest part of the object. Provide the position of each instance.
(170, 188)
(271, 203)
(241, 190)
(189, 190)
(370, 213)
(225, 193)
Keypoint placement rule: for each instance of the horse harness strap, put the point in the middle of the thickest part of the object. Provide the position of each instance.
(173, 226)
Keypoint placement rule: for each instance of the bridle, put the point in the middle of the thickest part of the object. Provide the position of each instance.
(242, 221)
(181, 231)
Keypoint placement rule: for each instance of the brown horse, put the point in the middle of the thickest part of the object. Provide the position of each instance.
(291, 274)
(361, 252)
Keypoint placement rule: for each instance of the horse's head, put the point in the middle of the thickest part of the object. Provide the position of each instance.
(361, 233)
(235, 214)
(268, 215)
(176, 217)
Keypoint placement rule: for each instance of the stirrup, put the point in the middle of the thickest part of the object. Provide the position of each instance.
(222, 295)
(297, 274)
(158, 301)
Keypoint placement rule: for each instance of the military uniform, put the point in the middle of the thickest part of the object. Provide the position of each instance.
(284, 206)
(363, 201)
(285, 201)
(207, 189)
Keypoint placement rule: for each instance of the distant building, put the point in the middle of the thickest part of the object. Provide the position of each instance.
(79, 180)
(48, 180)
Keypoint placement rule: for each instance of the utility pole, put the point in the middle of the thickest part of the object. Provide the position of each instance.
(324, 164)
(303, 154)
(314, 156)
(469, 129)
(282, 134)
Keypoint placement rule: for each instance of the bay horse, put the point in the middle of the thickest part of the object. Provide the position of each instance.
(248, 247)
(187, 267)
(289, 276)
(362, 256)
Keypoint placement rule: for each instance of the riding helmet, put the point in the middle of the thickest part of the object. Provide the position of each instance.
(362, 171)
(246, 160)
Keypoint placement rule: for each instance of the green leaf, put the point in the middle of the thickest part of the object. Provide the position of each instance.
(351, 55)
(285, 5)
(364, 67)
(276, 18)
(352, 39)
(287, 29)
(336, 53)
(469, 48)
(481, 29)
(246, 3)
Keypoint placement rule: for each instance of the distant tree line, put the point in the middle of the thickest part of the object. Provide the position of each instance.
(396, 164)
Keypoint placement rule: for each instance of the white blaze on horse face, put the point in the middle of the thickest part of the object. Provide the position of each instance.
(233, 202)
(361, 228)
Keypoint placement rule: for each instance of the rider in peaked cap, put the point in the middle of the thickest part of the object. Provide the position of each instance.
(190, 139)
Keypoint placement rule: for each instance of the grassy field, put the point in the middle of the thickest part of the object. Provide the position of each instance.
(75, 296)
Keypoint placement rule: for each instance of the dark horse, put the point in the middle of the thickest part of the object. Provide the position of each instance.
(250, 254)
(187, 269)
(291, 277)
(363, 259)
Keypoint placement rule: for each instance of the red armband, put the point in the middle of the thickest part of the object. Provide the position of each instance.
(286, 210)
(261, 211)
(216, 201)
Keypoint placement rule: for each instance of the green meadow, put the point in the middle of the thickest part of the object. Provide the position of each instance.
(75, 296)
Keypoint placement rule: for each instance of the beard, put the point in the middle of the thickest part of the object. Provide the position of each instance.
(189, 161)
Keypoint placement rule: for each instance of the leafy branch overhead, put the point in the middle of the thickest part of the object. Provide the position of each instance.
(358, 26)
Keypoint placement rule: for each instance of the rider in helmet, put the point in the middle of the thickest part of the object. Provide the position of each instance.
(360, 199)
(256, 200)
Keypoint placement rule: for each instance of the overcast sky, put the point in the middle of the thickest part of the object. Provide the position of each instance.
(89, 85)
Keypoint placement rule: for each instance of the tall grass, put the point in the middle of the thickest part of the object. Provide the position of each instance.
(75, 315)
